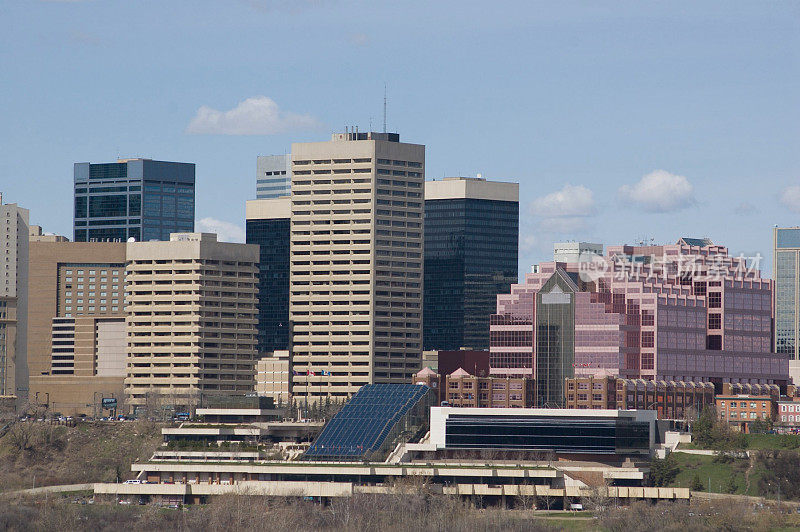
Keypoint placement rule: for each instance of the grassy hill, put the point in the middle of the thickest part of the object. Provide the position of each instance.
(87, 452)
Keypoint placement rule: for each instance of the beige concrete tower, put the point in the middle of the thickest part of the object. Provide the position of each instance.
(191, 320)
(13, 300)
(356, 263)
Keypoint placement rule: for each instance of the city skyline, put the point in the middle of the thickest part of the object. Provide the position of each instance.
(674, 114)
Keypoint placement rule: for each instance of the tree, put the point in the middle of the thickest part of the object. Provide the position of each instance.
(697, 484)
(663, 471)
(781, 474)
(730, 486)
(761, 426)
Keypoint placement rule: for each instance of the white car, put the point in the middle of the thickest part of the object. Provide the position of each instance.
(133, 481)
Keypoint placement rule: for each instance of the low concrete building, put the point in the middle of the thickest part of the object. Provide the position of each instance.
(610, 434)
(273, 377)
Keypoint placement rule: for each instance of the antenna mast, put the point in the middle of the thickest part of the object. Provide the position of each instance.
(384, 107)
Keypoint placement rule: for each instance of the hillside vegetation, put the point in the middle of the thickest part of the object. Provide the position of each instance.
(46, 454)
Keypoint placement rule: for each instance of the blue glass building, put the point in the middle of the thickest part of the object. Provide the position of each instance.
(268, 226)
(471, 253)
(133, 198)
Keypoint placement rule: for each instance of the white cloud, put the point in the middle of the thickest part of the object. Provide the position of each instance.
(358, 39)
(745, 208)
(528, 242)
(569, 201)
(660, 191)
(259, 115)
(563, 224)
(790, 198)
(226, 231)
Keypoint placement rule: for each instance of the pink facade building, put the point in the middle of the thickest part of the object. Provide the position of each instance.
(682, 312)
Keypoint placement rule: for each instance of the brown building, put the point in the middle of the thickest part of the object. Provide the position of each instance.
(76, 324)
(461, 389)
(671, 399)
(742, 410)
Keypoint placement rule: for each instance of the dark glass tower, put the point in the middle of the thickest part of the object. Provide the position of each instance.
(268, 226)
(471, 253)
(133, 198)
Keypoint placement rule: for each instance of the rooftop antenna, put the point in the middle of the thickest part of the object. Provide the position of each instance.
(384, 107)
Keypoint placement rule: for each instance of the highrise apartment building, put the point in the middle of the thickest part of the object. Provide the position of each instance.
(786, 272)
(356, 263)
(268, 227)
(14, 229)
(191, 320)
(471, 253)
(76, 326)
(273, 176)
(133, 198)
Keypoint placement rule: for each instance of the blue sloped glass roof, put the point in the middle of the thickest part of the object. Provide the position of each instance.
(363, 423)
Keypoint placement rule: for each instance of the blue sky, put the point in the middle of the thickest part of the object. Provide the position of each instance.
(620, 120)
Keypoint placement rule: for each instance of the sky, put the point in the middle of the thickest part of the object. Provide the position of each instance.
(622, 121)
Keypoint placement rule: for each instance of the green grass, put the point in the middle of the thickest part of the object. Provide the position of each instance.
(718, 472)
(761, 441)
(773, 441)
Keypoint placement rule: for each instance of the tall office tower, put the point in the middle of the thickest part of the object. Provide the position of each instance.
(76, 328)
(682, 312)
(13, 299)
(356, 262)
(471, 248)
(133, 198)
(268, 226)
(786, 272)
(273, 176)
(191, 320)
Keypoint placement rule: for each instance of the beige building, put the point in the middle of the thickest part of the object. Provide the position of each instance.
(76, 325)
(13, 300)
(191, 320)
(273, 377)
(37, 235)
(356, 262)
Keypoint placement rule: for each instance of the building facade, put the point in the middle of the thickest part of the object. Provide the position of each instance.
(191, 320)
(14, 230)
(464, 390)
(356, 263)
(742, 410)
(273, 176)
(670, 399)
(273, 377)
(682, 312)
(471, 253)
(141, 199)
(268, 226)
(572, 252)
(786, 272)
(789, 415)
(77, 349)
